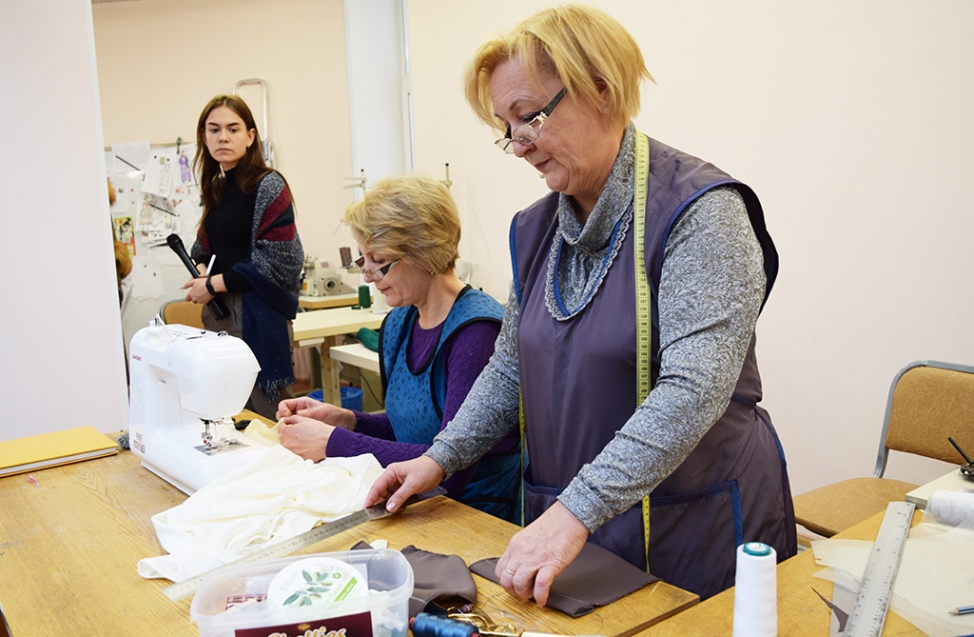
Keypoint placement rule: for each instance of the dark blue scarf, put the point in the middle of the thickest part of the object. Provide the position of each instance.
(266, 311)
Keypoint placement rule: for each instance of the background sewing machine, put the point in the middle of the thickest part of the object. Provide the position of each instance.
(185, 385)
(320, 279)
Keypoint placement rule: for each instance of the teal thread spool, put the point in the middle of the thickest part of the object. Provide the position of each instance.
(364, 296)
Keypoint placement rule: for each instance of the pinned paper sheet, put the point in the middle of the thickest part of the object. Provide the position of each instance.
(131, 156)
(159, 172)
(146, 278)
(156, 219)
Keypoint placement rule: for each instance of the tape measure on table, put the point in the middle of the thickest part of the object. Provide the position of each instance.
(869, 610)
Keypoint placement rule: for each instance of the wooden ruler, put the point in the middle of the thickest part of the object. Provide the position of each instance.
(869, 610)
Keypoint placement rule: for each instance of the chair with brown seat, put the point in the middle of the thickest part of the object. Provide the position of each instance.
(182, 313)
(929, 401)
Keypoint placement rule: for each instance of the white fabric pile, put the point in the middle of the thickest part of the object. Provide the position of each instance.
(273, 499)
(934, 575)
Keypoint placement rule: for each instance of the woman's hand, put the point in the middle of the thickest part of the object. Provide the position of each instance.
(197, 291)
(401, 480)
(305, 437)
(539, 552)
(310, 408)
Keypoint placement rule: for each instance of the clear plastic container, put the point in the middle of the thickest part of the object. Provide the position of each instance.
(386, 607)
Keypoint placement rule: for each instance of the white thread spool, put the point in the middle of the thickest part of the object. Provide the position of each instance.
(756, 591)
(953, 508)
(379, 305)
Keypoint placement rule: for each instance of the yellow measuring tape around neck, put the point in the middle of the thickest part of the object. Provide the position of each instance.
(644, 323)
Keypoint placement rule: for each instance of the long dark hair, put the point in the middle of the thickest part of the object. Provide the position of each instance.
(249, 170)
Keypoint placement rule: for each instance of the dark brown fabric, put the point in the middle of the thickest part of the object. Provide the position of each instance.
(435, 576)
(597, 577)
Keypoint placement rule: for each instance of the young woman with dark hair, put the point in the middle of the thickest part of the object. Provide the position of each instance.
(248, 224)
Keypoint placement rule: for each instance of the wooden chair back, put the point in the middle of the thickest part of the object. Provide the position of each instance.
(929, 401)
(182, 313)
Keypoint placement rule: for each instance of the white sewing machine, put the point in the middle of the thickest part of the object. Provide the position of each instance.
(185, 385)
(322, 280)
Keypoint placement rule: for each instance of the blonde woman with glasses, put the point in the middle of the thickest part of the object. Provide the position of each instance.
(432, 345)
(627, 348)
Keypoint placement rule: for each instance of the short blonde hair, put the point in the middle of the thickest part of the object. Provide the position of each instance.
(410, 217)
(583, 46)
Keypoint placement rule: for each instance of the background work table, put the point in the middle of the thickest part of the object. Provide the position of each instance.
(322, 328)
(70, 543)
(801, 613)
(328, 301)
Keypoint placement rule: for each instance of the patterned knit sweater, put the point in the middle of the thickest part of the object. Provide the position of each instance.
(272, 268)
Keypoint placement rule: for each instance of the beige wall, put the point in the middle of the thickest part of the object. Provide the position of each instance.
(160, 61)
(853, 123)
(61, 360)
(851, 120)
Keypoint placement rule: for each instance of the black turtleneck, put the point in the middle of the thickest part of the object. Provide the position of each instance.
(228, 227)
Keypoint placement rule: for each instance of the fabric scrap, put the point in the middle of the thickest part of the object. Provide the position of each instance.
(436, 576)
(595, 578)
(259, 431)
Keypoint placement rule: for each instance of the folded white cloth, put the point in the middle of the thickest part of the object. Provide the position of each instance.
(275, 498)
(953, 508)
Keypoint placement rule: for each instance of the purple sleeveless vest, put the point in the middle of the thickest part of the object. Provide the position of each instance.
(578, 383)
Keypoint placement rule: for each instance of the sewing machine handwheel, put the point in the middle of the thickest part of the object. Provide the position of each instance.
(240, 425)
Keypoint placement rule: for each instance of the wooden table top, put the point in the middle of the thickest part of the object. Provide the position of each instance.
(327, 301)
(356, 354)
(70, 543)
(323, 323)
(801, 612)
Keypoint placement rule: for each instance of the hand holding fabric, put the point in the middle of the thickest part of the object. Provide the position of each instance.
(305, 437)
(538, 553)
(311, 408)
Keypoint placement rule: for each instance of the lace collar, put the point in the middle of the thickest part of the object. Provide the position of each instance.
(581, 255)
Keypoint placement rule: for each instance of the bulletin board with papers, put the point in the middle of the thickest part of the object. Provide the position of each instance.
(156, 195)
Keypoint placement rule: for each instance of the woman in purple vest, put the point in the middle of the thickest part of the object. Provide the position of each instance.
(634, 358)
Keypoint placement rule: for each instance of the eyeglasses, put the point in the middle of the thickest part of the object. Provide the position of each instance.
(528, 133)
(375, 274)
